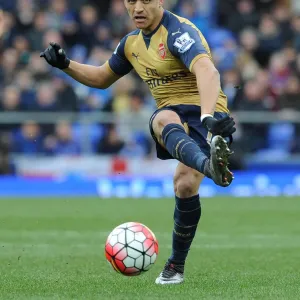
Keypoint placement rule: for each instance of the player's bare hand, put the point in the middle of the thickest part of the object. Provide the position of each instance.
(56, 56)
(224, 127)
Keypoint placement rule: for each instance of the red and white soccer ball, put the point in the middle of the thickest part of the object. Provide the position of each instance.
(131, 248)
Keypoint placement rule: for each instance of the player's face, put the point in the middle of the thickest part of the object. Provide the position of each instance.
(146, 14)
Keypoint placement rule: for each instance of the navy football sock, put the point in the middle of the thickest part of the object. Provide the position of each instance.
(184, 148)
(186, 217)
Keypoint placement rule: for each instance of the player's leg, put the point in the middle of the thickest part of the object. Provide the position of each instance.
(187, 214)
(170, 133)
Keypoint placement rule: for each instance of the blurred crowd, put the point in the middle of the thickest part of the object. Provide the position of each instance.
(255, 45)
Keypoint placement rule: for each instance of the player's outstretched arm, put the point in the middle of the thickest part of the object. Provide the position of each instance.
(98, 77)
(209, 85)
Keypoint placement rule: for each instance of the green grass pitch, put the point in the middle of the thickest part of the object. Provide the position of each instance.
(244, 249)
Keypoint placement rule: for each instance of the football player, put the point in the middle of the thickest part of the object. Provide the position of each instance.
(191, 123)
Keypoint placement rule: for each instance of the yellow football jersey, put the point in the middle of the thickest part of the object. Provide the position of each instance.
(164, 60)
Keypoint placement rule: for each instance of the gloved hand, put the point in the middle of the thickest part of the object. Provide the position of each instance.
(223, 127)
(56, 56)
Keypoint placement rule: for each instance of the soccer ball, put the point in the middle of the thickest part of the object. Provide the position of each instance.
(131, 249)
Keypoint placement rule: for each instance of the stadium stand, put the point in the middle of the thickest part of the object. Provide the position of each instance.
(257, 52)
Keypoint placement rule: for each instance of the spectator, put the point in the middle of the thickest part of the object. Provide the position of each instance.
(270, 39)
(256, 45)
(9, 65)
(290, 55)
(10, 28)
(121, 94)
(279, 73)
(231, 84)
(28, 140)
(62, 143)
(187, 10)
(282, 16)
(46, 100)
(245, 16)
(254, 99)
(290, 98)
(249, 58)
(296, 28)
(36, 33)
(52, 35)
(65, 95)
(10, 102)
(24, 15)
(226, 56)
(70, 30)
(137, 137)
(103, 35)
(58, 10)
(111, 142)
(117, 12)
(136, 115)
(39, 71)
(88, 17)
(21, 44)
(24, 81)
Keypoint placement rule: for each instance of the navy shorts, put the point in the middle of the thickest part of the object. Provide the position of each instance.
(190, 118)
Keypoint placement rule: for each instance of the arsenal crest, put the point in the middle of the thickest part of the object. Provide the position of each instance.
(162, 51)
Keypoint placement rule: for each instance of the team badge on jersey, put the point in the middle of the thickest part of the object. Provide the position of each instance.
(184, 42)
(162, 51)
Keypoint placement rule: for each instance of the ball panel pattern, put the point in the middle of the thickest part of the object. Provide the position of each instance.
(129, 262)
(129, 236)
(133, 253)
(137, 246)
(116, 248)
(148, 233)
(121, 237)
(147, 244)
(153, 258)
(139, 262)
(118, 230)
(139, 236)
(147, 262)
(131, 248)
(132, 272)
(122, 254)
(150, 251)
(109, 249)
(113, 240)
(136, 228)
(119, 265)
(108, 257)
(156, 246)
(130, 224)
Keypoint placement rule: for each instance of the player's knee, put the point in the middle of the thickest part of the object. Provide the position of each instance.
(184, 189)
(162, 119)
(186, 185)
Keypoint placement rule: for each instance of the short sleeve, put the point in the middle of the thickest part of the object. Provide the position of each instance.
(118, 62)
(185, 43)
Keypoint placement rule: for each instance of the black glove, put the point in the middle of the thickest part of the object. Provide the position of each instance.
(224, 127)
(56, 56)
